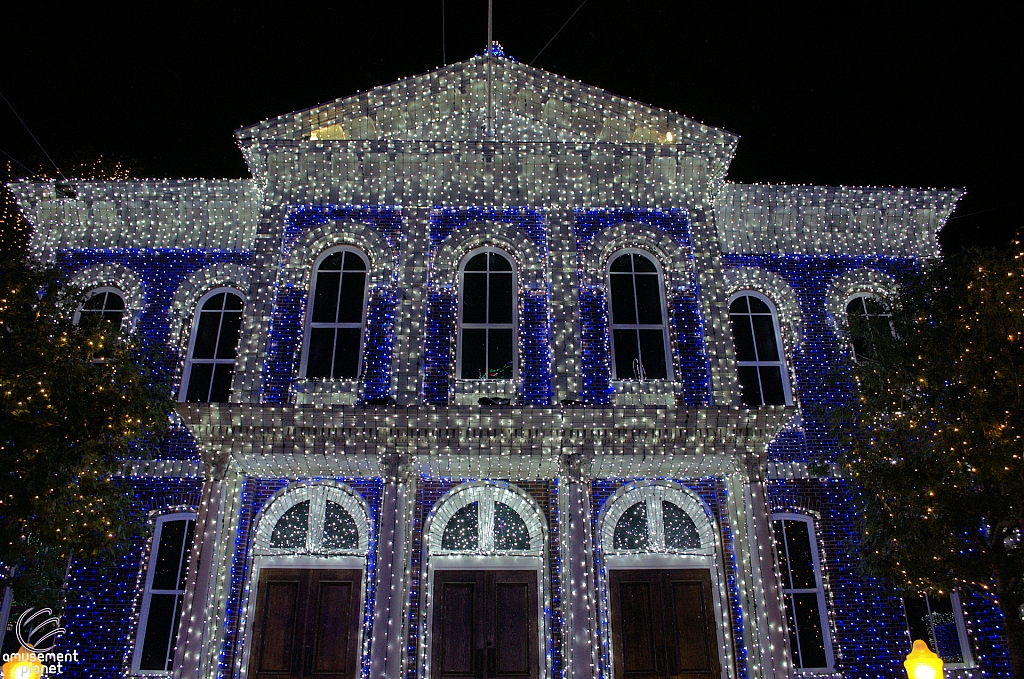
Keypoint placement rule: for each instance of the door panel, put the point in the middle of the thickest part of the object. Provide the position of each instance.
(663, 624)
(485, 625)
(306, 624)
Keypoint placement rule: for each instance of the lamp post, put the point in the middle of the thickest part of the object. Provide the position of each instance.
(922, 663)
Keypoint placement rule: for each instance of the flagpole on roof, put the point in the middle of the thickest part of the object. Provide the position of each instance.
(490, 56)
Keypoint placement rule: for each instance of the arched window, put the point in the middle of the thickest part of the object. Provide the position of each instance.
(638, 322)
(163, 593)
(213, 347)
(869, 321)
(487, 317)
(809, 638)
(102, 304)
(337, 317)
(317, 519)
(760, 365)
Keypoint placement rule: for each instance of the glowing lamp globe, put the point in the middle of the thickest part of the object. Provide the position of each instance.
(922, 663)
(22, 666)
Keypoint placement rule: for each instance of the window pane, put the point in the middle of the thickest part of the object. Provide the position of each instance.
(771, 385)
(168, 556)
(937, 628)
(757, 305)
(783, 558)
(233, 302)
(874, 306)
(353, 289)
(206, 335)
(749, 385)
(652, 354)
(160, 624)
(499, 262)
(812, 641)
(474, 298)
(340, 530)
(354, 262)
(622, 263)
(477, 263)
(290, 530)
(332, 262)
(627, 354)
(743, 337)
(461, 531)
(764, 336)
(190, 534)
(623, 309)
(855, 307)
(500, 298)
(801, 565)
(680, 531)
(509, 529)
(631, 530)
(499, 354)
(199, 382)
(641, 263)
(321, 351)
(220, 390)
(346, 353)
(227, 346)
(794, 641)
(96, 302)
(739, 306)
(474, 354)
(648, 299)
(325, 297)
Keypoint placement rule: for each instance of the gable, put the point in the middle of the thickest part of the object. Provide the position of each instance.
(450, 104)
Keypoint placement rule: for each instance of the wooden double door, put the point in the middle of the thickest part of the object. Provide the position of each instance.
(306, 624)
(484, 625)
(663, 624)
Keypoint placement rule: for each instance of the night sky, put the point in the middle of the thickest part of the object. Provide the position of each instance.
(883, 96)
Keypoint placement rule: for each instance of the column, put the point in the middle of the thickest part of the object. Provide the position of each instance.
(387, 646)
(579, 592)
(201, 628)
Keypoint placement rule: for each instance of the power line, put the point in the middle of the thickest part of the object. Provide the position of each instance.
(17, 161)
(997, 207)
(33, 137)
(444, 46)
(556, 33)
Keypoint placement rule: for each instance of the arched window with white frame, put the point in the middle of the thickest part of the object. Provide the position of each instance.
(487, 594)
(163, 593)
(760, 359)
(869, 322)
(105, 304)
(213, 347)
(803, 590)
(663, 591)
(487, 316)
(308, 585)
(336, 320)
(639, 320)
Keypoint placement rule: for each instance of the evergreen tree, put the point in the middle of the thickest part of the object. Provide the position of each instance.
(934, 435)
(74, 402)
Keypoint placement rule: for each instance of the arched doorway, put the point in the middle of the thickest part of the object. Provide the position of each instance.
(664, 610)
(487, 597)
(307, 588)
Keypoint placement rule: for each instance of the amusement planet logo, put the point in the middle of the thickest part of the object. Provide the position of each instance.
(37, 632)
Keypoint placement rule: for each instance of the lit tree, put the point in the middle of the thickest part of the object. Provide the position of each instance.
(933, 436)
(74, 402)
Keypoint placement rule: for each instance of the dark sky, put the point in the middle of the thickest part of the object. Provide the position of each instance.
(880, 96)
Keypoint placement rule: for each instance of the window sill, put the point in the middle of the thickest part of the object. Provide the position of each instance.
(326, 392)
(468, 392)
(646, 393)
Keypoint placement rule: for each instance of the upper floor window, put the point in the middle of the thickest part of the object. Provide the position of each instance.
(487, 346)
(760, 366)
(337, 317)
(869, 320)
(804, 594)
(212, 348)
(163, 594)
(938, 620)
(102, 304)
(638, 322)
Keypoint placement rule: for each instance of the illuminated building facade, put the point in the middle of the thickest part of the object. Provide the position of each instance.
(488, 381)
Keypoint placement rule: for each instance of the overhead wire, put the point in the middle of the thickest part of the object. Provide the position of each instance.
(530, 63)
(33, 137)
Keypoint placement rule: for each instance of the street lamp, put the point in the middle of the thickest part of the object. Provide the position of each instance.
(922, 663)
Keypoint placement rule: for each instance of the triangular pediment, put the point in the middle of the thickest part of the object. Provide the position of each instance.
(451, 104)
